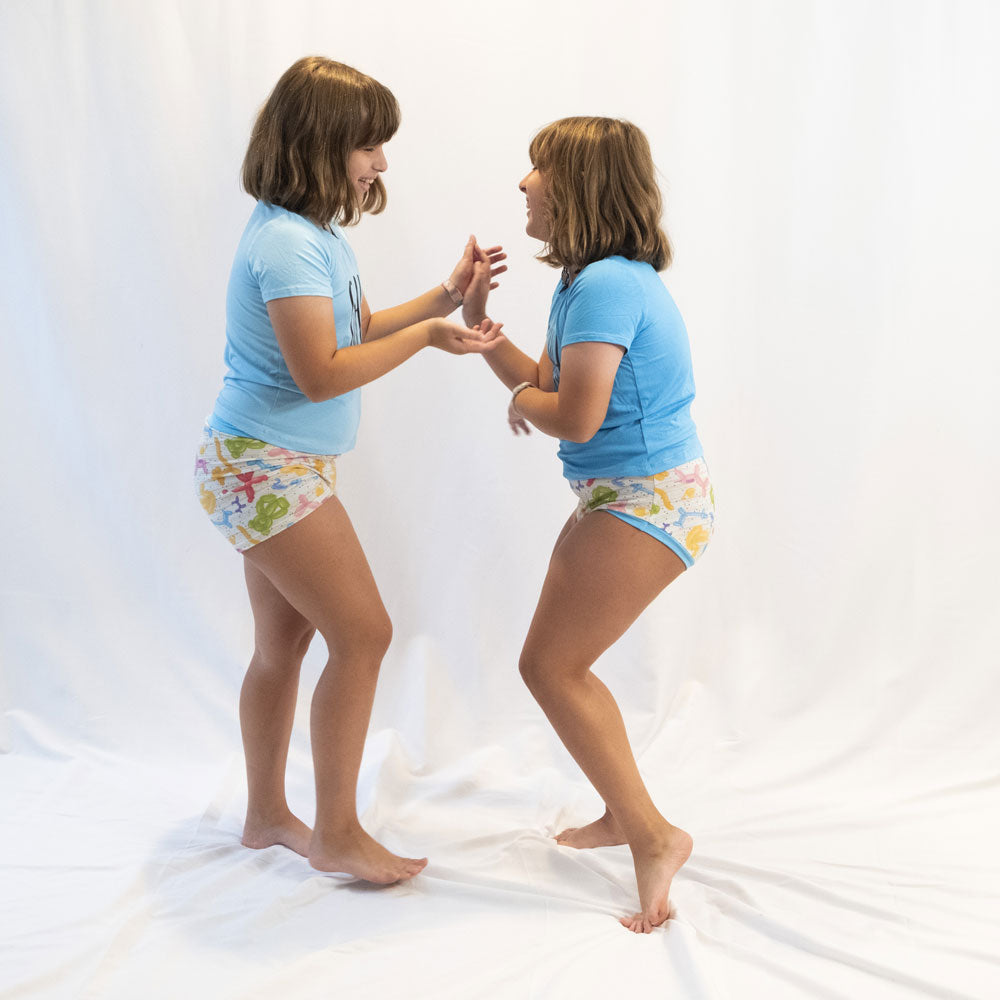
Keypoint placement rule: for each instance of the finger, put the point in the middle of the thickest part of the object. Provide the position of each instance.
(498, 270)
(494, 284)
(495, 250)
(497, 257)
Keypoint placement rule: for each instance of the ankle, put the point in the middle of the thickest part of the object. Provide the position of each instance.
(271, 814)
(338, 829)
(649, 836)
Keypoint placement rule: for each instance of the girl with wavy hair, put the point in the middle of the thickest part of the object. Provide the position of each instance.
(300, 342)
(615, 385)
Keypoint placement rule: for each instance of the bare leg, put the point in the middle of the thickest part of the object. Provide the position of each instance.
(603, 832)
(602, 575)
(267, 709)
(319, 568)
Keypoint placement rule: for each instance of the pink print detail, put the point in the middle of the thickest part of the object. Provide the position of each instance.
(280, 453)
(201, 466)
(695, 476)
(304, 505)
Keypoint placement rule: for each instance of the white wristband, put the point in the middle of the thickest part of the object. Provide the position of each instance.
(517, 389)
(453, 293)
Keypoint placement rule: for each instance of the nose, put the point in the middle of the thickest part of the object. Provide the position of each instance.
(521, 184)
(380, 163)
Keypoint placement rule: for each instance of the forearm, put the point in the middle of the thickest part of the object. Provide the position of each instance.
(355, 366)
(511, 365)
(541, 409)
(437, 302)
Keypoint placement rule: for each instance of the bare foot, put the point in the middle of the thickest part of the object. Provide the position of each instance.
(603, 832)
(654, 872)
(289, 831)
(358, 854)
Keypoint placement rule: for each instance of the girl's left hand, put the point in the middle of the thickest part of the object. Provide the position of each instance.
(461, 277)
(517, 423)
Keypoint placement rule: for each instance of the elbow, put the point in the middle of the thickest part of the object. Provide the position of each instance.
(317, 392)
(314, 393)
(581, 433)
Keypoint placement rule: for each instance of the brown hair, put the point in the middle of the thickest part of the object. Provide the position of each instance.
(603, 198)
(319, 112)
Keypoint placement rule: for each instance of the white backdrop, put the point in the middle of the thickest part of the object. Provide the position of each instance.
(821, 691)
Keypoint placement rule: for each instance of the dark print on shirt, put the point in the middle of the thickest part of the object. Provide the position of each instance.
(354, 289)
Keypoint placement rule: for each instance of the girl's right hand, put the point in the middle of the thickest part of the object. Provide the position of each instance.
(477, 292)
(457, 339)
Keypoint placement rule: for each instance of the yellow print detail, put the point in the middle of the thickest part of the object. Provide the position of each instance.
(662, 494)
(207, 498)
(696, 538)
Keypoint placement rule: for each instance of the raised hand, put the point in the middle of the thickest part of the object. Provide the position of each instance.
(463, 273)
(478, 290)
(457, 339)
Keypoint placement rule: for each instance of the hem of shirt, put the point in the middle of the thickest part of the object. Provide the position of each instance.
(293, 290)
(596, 337)
(666, 459)
(275, 437)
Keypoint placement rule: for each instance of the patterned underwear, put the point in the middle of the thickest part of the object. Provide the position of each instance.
(676, 507)
(251, 490)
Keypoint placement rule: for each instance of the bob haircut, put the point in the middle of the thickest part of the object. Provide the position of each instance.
(319, 112)
(602, 195)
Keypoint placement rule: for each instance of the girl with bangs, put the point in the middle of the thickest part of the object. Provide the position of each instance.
(300, 342)
(615, 385)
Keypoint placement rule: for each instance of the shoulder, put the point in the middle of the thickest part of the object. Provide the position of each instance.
(610, 278)
(276, 232)
(611, 286)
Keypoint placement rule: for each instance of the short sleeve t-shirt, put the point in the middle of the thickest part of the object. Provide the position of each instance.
(282, 254)
(648, 427)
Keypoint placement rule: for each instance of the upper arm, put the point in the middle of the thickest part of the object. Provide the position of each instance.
(366, 315)
(545, 380)
(587, 373)
(307, 336)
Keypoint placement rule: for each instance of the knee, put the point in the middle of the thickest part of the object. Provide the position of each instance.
(547, 673)
(366, 640)
(531, 669)
(283, 648)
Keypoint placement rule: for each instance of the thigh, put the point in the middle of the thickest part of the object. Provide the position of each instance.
(278, 628)
(566, 529)
(319, 568)
(603, 574)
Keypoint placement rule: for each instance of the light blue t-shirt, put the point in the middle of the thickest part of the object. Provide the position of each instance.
(648, 426)
(282, 254)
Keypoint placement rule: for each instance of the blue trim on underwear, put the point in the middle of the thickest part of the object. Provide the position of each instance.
(658, 533)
